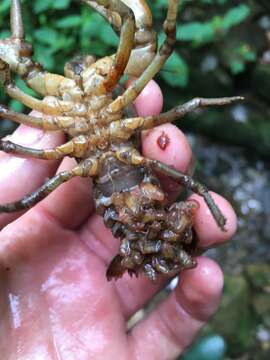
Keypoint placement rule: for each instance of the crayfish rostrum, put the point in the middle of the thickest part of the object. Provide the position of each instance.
(103, 134)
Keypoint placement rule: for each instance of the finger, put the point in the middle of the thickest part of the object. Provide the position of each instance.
(208, 232)
(150, 100)
(19, 176)
(175, 151)
(165, 143)
(72, 203)
(135, 292)
(173, 325)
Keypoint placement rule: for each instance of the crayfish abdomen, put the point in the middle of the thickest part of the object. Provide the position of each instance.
(154, 238)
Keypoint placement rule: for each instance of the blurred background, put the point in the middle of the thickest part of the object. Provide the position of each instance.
(223, 49)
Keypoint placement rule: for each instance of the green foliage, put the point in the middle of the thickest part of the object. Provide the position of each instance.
(60, 29)
(240, 56)
(213, 29)
(175, 72)
(41, 5)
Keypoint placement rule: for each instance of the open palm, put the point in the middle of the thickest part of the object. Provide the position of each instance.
(55, 301)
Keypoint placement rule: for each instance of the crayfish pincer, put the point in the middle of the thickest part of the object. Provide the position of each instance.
(103, 137)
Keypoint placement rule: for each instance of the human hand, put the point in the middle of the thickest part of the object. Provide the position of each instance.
(55, 301)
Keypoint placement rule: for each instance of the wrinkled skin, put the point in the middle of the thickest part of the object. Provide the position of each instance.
(55, 300)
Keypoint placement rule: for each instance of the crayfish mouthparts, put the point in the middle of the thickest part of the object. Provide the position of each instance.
(103, 133)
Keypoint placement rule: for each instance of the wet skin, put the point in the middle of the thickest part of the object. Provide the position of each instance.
(55, 301)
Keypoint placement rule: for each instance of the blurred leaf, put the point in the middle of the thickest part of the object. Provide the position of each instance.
(4, 34)
(44, 56)
(61, 4)
(247, 53)
(46, 35)
(108, 35)
(41, 5)
(235, 15)
(175, 72)
(4, 6)
(22, 85)
(195, 31)
(203, 32)
(97, 42)
(63, 43)
(239, 56)
(69, 21)
(16, 105)
(237, 66)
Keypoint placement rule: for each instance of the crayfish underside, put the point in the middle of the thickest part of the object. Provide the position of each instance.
(103, 133)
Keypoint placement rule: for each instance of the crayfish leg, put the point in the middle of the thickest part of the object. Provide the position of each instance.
(73, 125)
(85, 169)
(189, 183)
(16, 23)
(122, 56)
(76, 147)
(33, 198)
(53, 107)
(177, 112)
(17, 53)
(145, 42)
(160, 58)
(133, 157)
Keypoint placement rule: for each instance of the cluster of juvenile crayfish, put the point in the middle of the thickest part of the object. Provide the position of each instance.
(104, 132)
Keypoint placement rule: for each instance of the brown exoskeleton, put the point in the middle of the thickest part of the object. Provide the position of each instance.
(155, 238)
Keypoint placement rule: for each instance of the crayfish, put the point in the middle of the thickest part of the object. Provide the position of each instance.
(103, 135)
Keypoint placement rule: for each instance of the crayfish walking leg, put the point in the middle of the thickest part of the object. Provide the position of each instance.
(86, 168)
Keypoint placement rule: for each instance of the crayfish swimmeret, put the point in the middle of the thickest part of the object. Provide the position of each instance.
(104, 136)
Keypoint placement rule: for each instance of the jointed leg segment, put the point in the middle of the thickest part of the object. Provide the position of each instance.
(17, 54)
(164, 52)
(145, 41)
(76, 147)
(110, 10)
(128, 126)
(30, 200)
(53, 107)
(85, 169)
(189, 183)
(181, 110)
(123, 52)
(133, 157)
(68, 123)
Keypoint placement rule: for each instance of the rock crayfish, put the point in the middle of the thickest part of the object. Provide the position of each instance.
(104, 136)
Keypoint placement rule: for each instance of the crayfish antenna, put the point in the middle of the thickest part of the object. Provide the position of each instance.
(16, 23)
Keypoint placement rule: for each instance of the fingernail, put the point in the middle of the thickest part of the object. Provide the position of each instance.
(25, 135)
